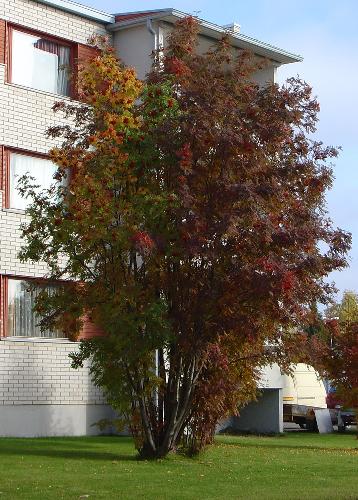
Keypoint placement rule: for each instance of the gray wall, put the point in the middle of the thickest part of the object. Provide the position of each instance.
(263, 416)
(134, 46)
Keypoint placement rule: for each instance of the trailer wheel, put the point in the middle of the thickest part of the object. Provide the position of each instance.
(311, 425)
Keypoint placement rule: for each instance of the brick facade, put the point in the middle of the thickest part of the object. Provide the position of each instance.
(35, 372)
(39, 372)
(38, 16)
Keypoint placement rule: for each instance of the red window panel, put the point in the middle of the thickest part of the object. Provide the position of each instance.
(2, 41)
(82, 54)
(3, 302)
(90, 330)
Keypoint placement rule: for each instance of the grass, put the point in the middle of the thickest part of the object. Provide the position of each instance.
(292, 466)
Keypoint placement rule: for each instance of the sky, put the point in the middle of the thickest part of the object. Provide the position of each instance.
(325, 33)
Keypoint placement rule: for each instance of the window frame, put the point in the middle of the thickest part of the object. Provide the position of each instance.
(6, 172)
(4, 307)
(51, 38)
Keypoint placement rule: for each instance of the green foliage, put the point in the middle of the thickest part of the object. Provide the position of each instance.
(346, 311)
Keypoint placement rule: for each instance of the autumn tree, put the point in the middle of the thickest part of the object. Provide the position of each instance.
(189, 229)
(345, 311)
(333, 348)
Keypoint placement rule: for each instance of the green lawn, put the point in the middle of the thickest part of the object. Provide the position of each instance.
(292, 466)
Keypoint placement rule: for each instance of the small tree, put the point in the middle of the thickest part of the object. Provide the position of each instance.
(189, 231)
(345, 311)
(333, 348)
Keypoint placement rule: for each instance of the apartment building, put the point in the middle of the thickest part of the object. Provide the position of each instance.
(39, 392)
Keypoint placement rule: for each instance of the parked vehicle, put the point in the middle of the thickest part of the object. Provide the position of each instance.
(303, 392)
(348, 415)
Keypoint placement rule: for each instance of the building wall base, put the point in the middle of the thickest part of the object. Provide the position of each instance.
(52, 420)
(264, 416)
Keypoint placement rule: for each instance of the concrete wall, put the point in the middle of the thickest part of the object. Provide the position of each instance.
(264, 76)
(271, 377)
(135, 44)
(263, 416)
(52, 420)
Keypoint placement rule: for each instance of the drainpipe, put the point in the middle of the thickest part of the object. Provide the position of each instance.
(155, 38)
(153, 32)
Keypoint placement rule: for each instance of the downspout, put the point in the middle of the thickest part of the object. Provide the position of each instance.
(153, 32)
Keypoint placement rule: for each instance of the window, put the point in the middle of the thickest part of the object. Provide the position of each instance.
(40, 62)
(41, 169)
(22, 321)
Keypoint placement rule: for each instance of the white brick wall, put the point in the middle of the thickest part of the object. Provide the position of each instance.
(55, 22)
(25, 116)
(36, 372)
(39, 372)
(10, 244)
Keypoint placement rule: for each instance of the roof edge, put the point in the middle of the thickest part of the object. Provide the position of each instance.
(135, 17)
(80, 10)
(167, 9)
(244, 38)
(280, 55)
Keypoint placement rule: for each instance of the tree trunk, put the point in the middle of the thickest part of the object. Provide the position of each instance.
(162, 430)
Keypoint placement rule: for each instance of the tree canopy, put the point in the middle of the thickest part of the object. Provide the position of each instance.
(333, 348)
(189, 228)
(346, 311)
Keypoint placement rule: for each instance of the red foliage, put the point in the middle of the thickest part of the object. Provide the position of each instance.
(177, 67)
(335, 354)
(288, 281)
(143, 242)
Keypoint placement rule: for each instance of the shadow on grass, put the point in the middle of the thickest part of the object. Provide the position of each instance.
(75, 449)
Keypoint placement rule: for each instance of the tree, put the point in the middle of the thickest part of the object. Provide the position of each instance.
(188, 230)
(334, 353)
(346, 311)
(333, 349)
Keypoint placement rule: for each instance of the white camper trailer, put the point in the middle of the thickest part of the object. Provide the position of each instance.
(302, 392)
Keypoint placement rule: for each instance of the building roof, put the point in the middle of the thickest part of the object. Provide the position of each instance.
(124, 20)
(80, 10)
